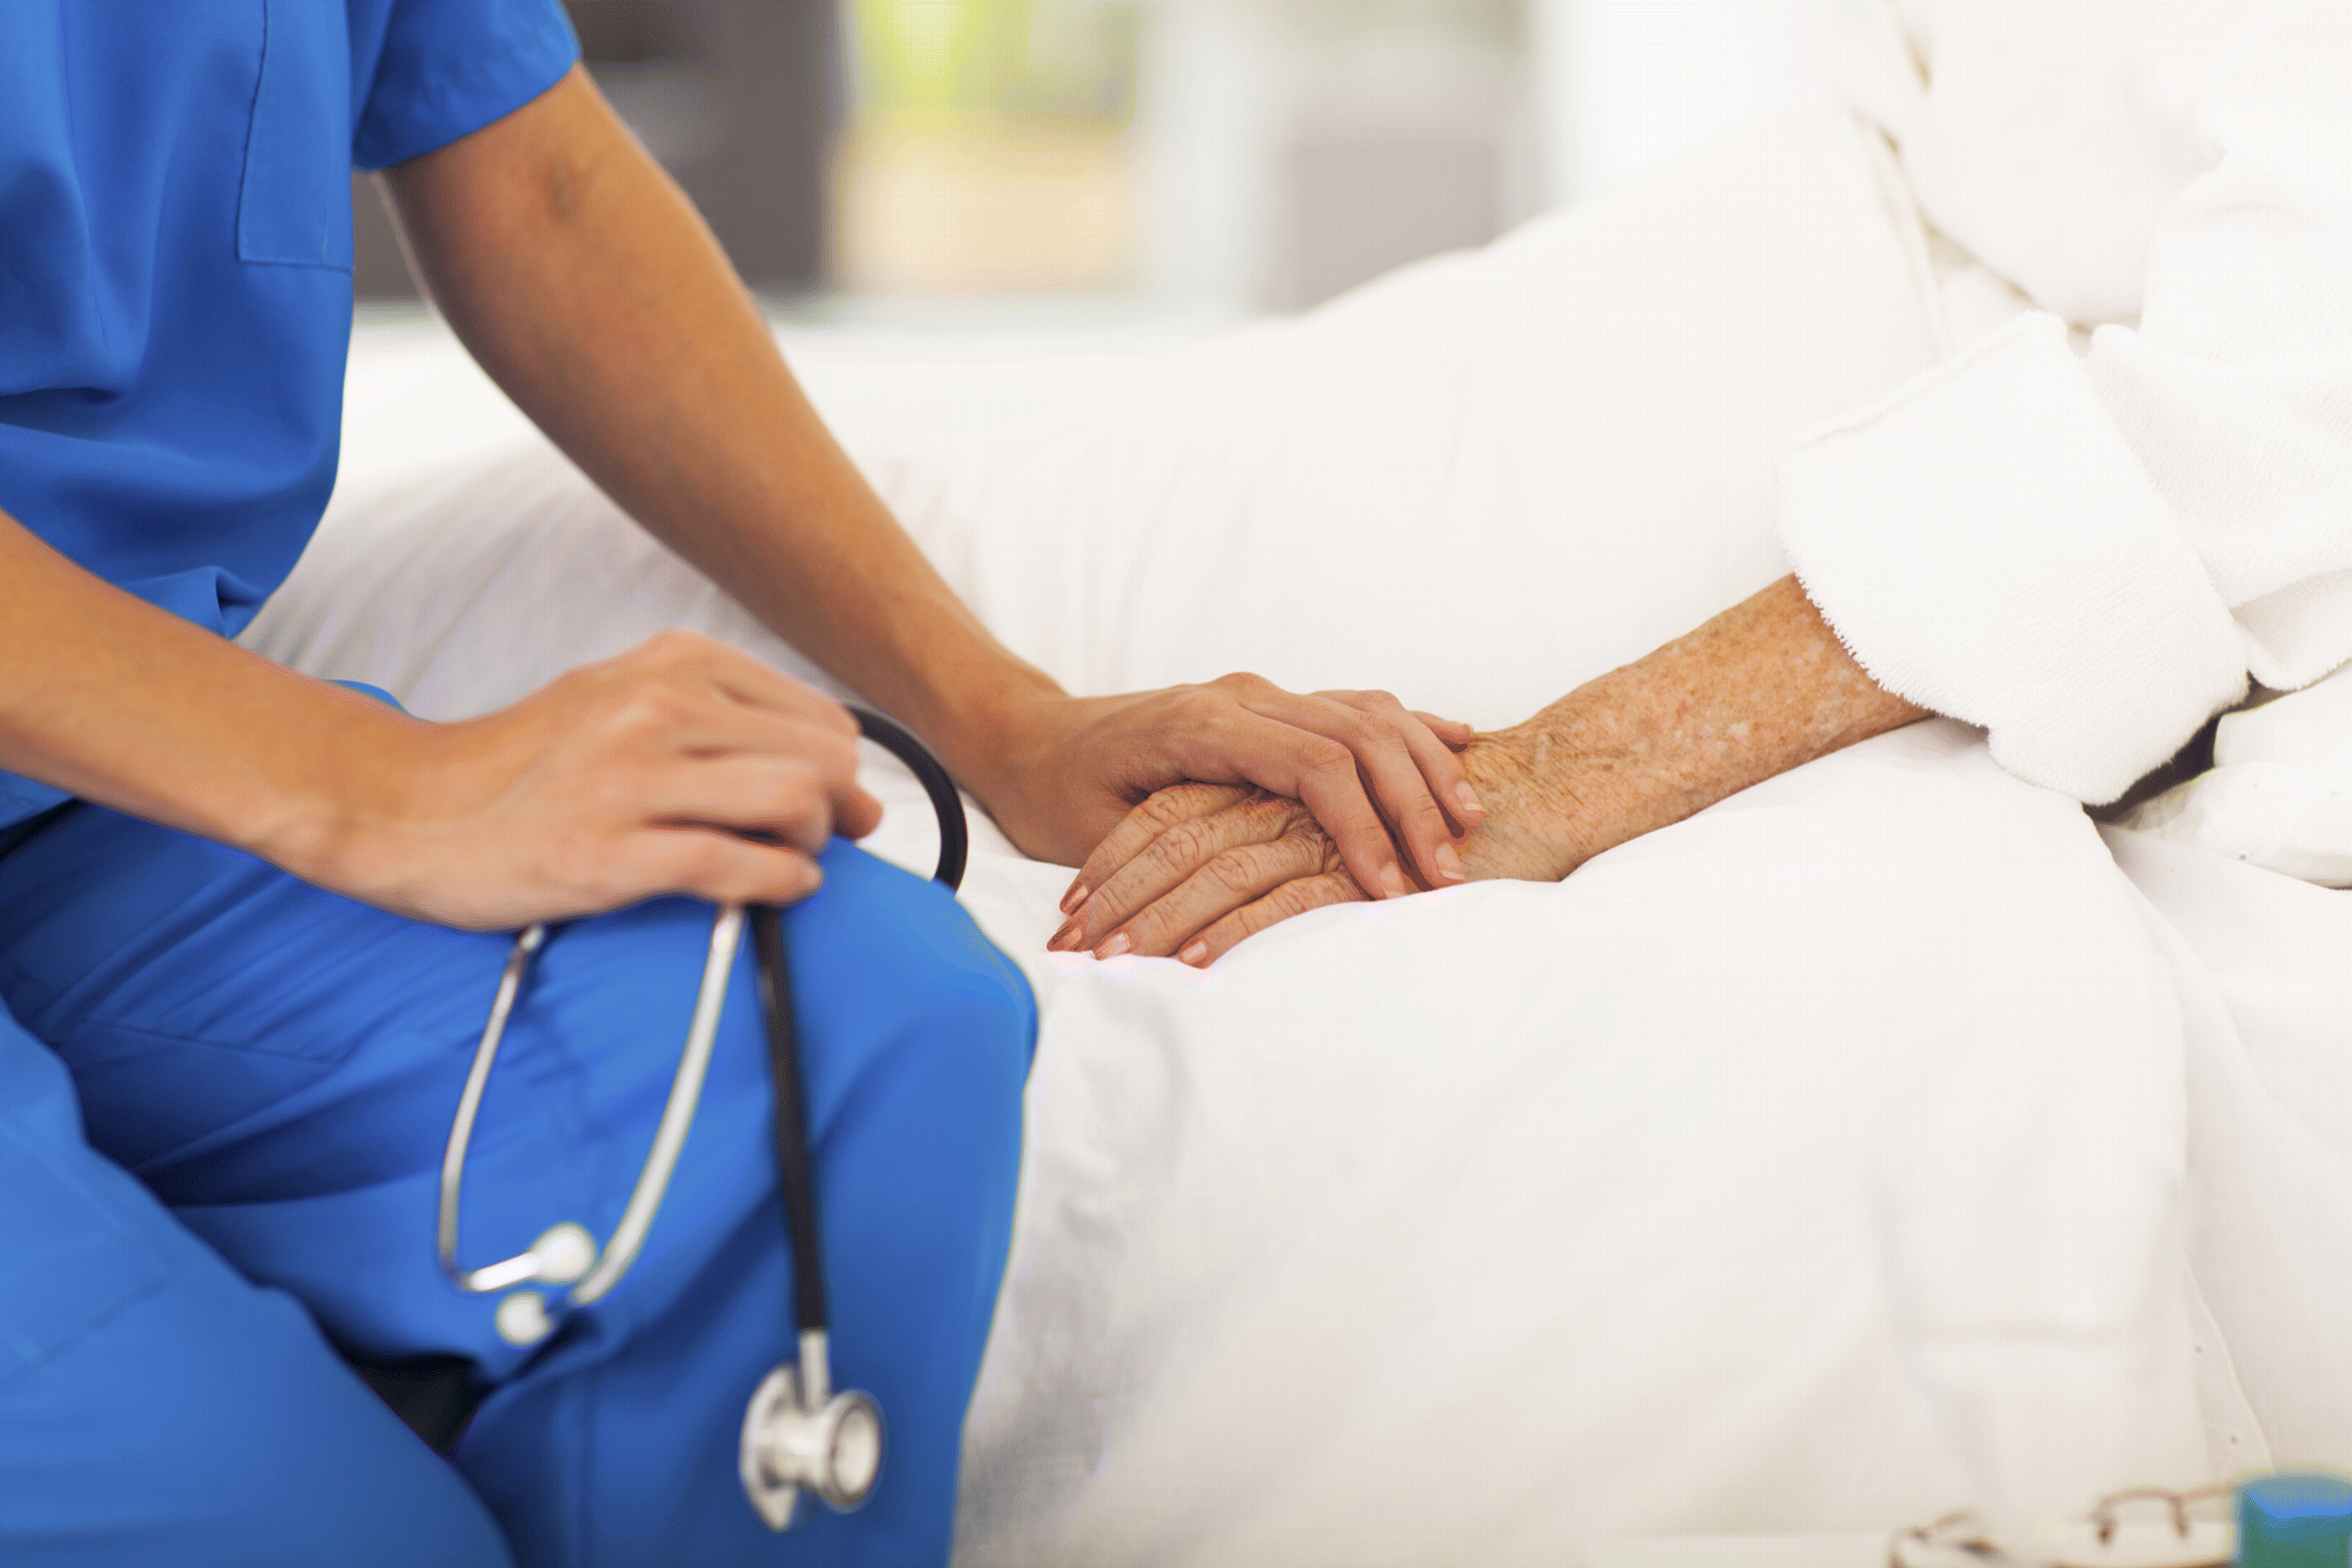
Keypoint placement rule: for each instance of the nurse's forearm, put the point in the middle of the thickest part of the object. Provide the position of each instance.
(113, 699)
(577, 273)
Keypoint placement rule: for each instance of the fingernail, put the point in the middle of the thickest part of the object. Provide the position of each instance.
(1449, 864)
(1469, 799)
(1196, 955)
(1061, 938)
(1392, 883)
(1114, 947)
(1074, 897)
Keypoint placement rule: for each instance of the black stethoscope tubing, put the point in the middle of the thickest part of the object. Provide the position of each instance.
(795, 1160)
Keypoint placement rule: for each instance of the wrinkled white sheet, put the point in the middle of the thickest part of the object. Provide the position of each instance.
(2259, 960)
(1816, 1163)
(1478, 1227)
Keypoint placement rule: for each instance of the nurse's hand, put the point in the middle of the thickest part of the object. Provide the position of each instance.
(1058, 773)
(682, 766)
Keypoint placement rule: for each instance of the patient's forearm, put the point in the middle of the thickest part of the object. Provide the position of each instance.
(1762, 688)
(577, 274)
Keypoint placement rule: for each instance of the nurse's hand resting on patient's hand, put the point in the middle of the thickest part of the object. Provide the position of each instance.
(1762, 688)
(1198, 868)
(1059, 771)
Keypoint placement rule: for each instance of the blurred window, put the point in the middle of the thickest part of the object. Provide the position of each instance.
(989, 146)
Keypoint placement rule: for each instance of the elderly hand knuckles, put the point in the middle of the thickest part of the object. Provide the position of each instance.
(1242, 870)
(1170, 808)
(1182, 847)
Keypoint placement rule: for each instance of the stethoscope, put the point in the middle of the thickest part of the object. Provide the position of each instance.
(797, 1432)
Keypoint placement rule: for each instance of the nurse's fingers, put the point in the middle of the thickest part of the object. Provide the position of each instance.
(670, 699)
(1192, 845)
(660, 754)
(1365, 742)
(720, 866)
(669, 711)
(1161, 810)
(777, 800)
(1234, 878)
(1284, 903)
(716, 755)
(1456, 735)
(1448, 808)
(1304, 764)
(734, 675)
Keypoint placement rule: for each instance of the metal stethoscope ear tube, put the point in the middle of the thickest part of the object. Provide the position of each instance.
(798, 1434)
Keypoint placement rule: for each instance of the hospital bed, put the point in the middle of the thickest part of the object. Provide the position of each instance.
(1885, 1136)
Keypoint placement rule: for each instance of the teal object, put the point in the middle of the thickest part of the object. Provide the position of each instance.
(2296, 1520)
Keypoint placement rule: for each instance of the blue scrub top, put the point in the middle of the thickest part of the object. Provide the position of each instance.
(176, 264)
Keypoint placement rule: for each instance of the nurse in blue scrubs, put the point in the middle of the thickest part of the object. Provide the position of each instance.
(250, 923)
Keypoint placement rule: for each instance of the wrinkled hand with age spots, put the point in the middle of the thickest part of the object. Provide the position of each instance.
(1762, 688)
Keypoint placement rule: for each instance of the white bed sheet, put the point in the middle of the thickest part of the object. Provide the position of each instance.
(1681, 1198)
(2279, 794)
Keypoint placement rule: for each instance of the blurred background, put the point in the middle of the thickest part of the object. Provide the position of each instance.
(941, 162)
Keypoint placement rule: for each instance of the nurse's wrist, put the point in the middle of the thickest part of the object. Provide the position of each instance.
(334, 820)
(992, 737)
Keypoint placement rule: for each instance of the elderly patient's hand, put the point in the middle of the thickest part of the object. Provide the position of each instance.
(1760, 689)
(1197, 867)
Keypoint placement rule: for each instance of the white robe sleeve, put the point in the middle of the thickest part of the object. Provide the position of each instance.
(2088, 554)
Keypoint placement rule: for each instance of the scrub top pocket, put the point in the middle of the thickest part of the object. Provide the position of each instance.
(294, 208)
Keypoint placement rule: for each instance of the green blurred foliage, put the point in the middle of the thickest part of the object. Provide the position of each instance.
(1061, 63)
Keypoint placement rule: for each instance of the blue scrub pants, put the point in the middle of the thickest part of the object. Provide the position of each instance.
(276, 1067)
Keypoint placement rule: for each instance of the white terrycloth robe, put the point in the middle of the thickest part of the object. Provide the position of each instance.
(2085, 531)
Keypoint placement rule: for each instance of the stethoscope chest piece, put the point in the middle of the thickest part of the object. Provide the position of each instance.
(799, 1436)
